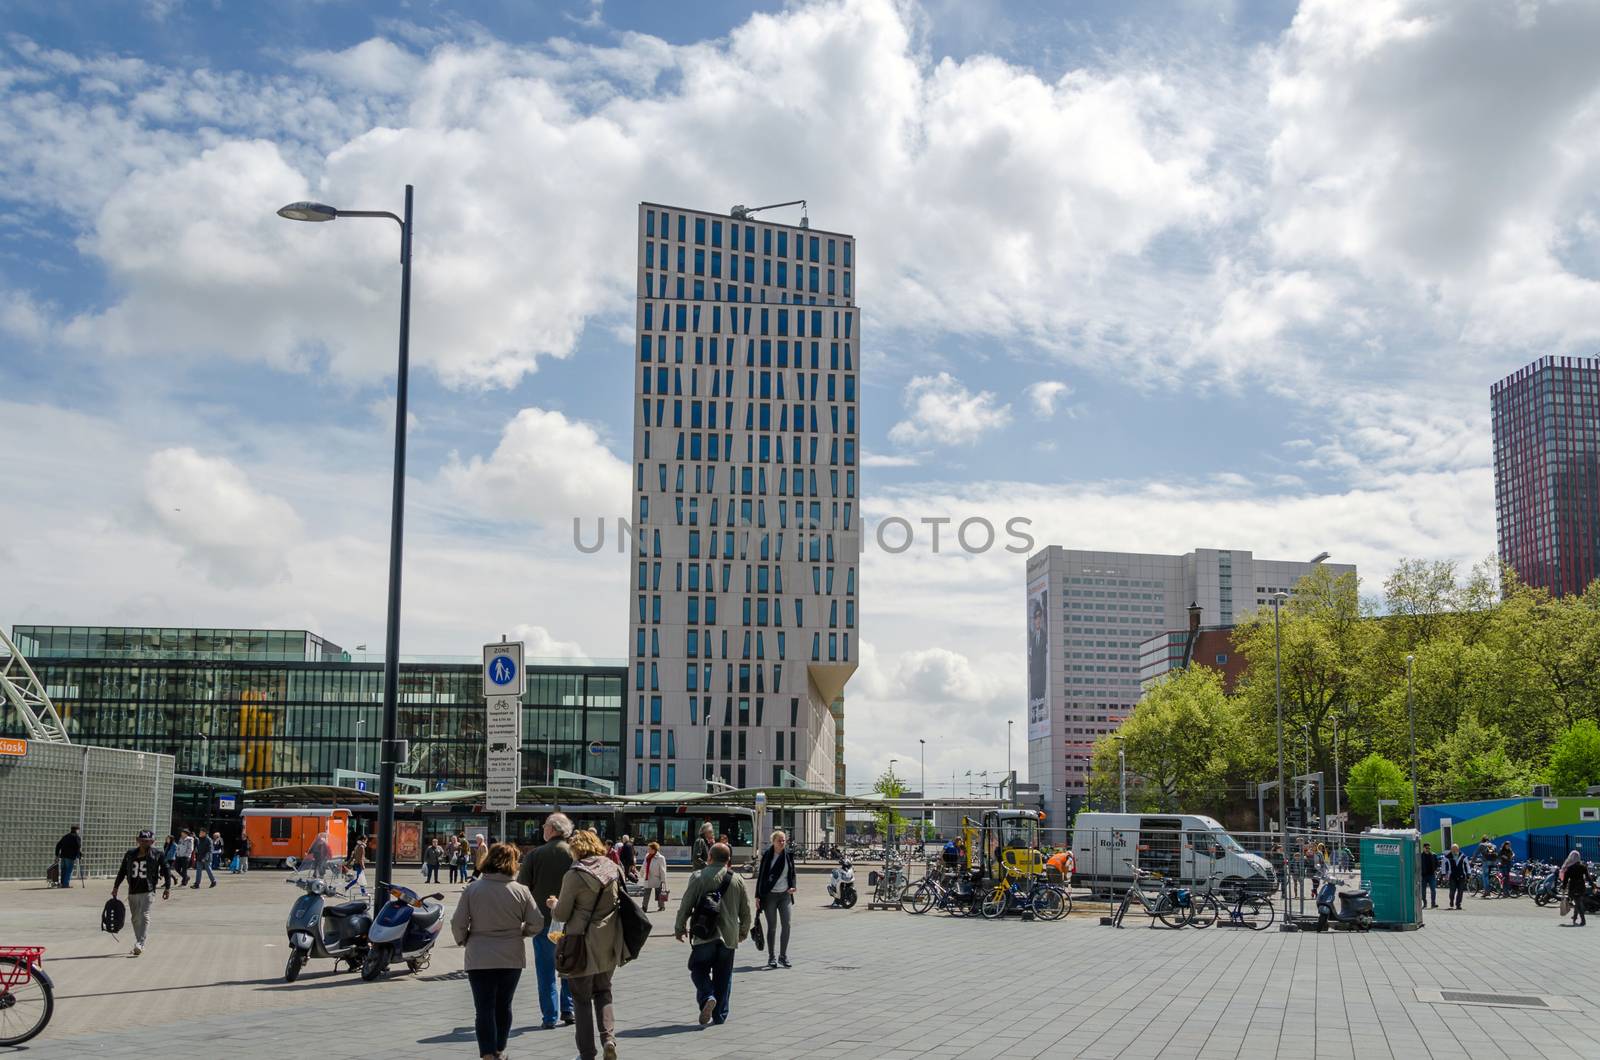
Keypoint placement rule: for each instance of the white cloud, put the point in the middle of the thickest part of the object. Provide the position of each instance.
(887, 460)
(375, 65)
(539, 643)
(546, 468)
(940, 411)
(208, 507)
(1043, 396)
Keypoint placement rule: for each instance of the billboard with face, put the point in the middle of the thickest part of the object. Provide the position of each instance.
(1039, 659)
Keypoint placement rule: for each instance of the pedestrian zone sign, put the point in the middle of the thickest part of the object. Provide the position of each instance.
(502, 669)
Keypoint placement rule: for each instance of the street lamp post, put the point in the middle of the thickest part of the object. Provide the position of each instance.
(1122, 774)
(1338, 812)
(1009, 781)
(922, 834)
(389, 748)
(1277, 686)
(1411, 722)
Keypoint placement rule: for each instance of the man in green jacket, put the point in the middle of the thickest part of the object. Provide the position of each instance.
(541, 873)
(711, 951)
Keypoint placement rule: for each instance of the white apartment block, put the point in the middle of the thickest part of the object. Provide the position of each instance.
(743, 596)
(1088, 615)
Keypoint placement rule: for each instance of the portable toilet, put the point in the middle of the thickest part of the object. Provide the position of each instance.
(1391, 870)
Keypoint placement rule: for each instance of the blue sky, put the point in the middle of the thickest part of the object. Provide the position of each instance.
(1154, 275)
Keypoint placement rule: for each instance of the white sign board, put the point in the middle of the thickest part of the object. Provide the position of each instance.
(504, 779)
(502, 670)
(503, 722)
(1552, 804)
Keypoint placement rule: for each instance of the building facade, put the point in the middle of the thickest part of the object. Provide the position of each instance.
(1171, 650)
(743, 603)
(1090, 614)
(272, 707)
(1547, 472)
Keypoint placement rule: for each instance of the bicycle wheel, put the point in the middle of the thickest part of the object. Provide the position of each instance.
(1203, 911)
(917, 900)
(1257, 914)
(1049, 904)
(26, 1001)
(994, 906)
(1122, 910)
(1168, 912)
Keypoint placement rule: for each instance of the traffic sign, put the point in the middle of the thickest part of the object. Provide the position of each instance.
(504, 778)
(502, 669)
(503, 719)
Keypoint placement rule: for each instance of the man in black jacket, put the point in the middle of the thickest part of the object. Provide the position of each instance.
(775, 896)
(541, 874)
(69, 848)
(1430, 873)
(202, 858)
(140, 867)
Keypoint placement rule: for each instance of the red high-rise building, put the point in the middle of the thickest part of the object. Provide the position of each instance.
(1547, 472)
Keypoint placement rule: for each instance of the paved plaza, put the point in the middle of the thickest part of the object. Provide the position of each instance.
(865, 984)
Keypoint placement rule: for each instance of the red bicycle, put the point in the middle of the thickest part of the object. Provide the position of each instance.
(27, 997)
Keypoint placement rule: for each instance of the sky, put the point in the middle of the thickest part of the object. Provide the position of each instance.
(1149, 275)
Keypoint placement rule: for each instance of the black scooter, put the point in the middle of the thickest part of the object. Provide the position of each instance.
(1354, 911)
(317, 929)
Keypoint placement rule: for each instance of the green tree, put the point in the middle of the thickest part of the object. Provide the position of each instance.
(1374, 778)
(1184, 745)
(1575, 759)
(890, 787)
(1471, 763)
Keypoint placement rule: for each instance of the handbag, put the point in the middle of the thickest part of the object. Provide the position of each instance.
(572, 955)
(636, 927)
(1566, 905)
(758, 936)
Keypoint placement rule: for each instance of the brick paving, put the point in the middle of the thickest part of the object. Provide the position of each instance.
(865, 984)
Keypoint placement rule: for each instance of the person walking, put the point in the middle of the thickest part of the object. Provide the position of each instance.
(69, 848)
(356, 865)
(450, 857)
(431, 856)
(463, 857)
(494, 915)
(1507, 858)
(714, 933)
(319, 854)
(1457, 869)
(1487, 857)
(1574, 878)
(775, 896)
(1429, 867)
(626, 856)
(542, 873)
(185, 852)
(480, 850)
(702, 846)
(169, 850)
(655, 876)
(140, 867)
(202, 860)
(591, 892)
(244, 854)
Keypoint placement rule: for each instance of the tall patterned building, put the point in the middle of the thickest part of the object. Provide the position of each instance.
(743, 594)
(1547, 472)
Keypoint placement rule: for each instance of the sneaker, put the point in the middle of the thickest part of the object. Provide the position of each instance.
(568, 1018)
(138, 948)
(549, 1026)
(785, 962)
(609, 1052)
(772, 963)
(706, 1010)
(213, 883)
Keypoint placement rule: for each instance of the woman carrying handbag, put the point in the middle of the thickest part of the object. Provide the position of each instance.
(1575, 882)
(591, 944)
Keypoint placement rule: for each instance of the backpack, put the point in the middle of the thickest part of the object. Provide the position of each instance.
(636, 927)
(113, 916)
(705, 923)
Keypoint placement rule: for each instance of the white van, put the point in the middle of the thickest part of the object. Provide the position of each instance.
(1183, 846)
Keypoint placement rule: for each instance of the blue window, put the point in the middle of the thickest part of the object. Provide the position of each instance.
(847, 246)
(672, 775)
(649, 222)
(638, 743)
(783, 244)
(699, 263)
(681, 235)
(655, 747)
(655, 710)
(655, 777)
(699, 229)
(716, 233)
(1222, 659)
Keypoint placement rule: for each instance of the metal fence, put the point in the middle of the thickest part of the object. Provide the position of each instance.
(1555, 848)
(109, 794)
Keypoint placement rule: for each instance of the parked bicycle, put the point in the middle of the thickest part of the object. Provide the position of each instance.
(27, 997)
(1159, 905)
(1240, 906)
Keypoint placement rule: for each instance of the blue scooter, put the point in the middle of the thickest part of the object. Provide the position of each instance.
(405, 929)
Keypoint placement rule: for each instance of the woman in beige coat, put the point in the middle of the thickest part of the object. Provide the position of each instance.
(588, 904)
(493, 917)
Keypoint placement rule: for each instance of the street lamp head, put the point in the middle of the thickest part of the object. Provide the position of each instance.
(1319, 557)
(308, 211)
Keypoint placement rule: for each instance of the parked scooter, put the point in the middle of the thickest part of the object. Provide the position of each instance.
(405, 929)
(317, 929)
(1547, 889)
(1354, 912)
(842, 885)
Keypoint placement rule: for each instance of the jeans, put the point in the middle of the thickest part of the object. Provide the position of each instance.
(594, 1012)
(1483, 874)
(711, 969)
(430, 874)
(139, 913)
(181, 867)
(67, 865)
(492, 990)
(358, 880)
(1457, 889)
(553, 1003)
(203, 865)
(1431, 886)
(774, 906)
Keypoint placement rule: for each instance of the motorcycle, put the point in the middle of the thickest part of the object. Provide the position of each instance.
(842, 885)
(1354, 911)
(317, 929)
(405, 929)
(1547, 889)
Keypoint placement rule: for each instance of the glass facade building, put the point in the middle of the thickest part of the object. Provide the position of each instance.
(271, 707)
(1547, 472)
(746, 492)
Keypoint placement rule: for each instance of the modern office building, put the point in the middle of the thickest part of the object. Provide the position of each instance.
(1090, 614)
(274, 707)
(1547, 472)
(743, 600)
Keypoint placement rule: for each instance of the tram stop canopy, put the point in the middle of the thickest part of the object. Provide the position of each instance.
(289, 795)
